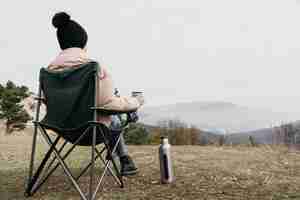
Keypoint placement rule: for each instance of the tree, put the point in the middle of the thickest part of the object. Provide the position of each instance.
(195, 135)
(137, 134)
(178, 132)
(11, 110)
(221, 140)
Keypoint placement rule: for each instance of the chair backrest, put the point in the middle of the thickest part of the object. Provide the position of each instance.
(69, 95)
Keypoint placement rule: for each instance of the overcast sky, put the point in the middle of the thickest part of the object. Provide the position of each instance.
(245, 52)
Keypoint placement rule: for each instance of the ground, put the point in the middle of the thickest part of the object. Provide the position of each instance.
(208, 173)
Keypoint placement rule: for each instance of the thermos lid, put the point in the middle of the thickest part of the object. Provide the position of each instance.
(164, 140)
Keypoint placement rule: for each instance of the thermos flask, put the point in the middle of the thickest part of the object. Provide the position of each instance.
(166, 171)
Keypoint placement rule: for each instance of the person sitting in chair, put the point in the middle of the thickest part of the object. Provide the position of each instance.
(72, 39)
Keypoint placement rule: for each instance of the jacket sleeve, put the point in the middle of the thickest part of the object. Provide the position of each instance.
(110, 101)
(122, 103)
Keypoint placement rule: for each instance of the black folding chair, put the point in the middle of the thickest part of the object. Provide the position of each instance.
(70, 97)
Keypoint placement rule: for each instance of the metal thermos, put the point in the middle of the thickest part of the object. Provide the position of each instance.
(166, 171)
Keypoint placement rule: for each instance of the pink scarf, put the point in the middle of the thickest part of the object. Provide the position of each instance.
(68, 58)
(72, 57)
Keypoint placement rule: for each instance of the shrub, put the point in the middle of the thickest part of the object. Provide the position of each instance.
(11, 109)
(137, 134)
(178, 132)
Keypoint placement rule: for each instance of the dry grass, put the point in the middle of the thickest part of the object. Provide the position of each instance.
(201, 173)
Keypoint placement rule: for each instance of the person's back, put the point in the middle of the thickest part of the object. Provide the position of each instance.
(72, 39)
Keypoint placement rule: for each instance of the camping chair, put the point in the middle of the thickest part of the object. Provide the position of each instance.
(70, 97)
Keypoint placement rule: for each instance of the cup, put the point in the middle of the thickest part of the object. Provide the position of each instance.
(136, 93)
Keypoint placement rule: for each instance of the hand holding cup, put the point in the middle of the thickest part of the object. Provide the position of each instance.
(139, 96)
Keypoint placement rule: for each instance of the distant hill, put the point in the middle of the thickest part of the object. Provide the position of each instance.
(216, 116)
(208, 137)
(261, 136)
(212, 118)
(205, 137)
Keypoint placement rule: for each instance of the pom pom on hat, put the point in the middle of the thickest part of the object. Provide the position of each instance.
(60, 19)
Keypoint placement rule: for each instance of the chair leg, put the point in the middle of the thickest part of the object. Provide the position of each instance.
(107, 163)
(109, 168)
(110, 154)
(46, 175)
(31, 165)
(89, 165)
(101, 178)
(120, 177)
(37, 182)
(36, 176)
(54, 159)
(63, 164)
(67, 153)
(92, 169)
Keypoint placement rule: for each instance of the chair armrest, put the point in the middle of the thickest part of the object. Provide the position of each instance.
(129, 118)
(40, 99)
(106, 111)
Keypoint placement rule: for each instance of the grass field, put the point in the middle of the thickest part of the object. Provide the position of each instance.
(262, 173)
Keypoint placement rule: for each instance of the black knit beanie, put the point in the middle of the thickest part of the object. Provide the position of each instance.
(69, 33)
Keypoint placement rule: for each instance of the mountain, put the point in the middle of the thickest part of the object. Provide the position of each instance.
(204, 137)
(215, 116)
(261, 136)
(212, 118)
(266, 135)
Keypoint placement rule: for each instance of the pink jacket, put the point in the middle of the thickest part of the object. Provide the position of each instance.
(73, 57)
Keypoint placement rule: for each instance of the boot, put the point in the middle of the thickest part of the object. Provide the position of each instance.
(127, 166)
